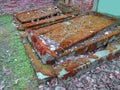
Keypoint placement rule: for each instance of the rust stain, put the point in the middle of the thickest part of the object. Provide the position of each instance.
(110, 57)
(39, 45)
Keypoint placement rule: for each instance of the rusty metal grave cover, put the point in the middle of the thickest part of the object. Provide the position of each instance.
(72, 46)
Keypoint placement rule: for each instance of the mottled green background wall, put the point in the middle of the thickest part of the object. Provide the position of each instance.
(109, 6)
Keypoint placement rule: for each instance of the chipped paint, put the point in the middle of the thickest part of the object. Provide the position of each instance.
(62, 73)
(41, 76)
(103, 53)
(67, 23)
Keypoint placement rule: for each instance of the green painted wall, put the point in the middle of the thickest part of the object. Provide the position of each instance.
(111, 7)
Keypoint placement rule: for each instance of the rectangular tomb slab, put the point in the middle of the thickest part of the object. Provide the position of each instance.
(74, 65)
(27, 16)
(46, 52)
(76, 35)
(93, 35)
(40, 17)
(76, 30)
(69, 66)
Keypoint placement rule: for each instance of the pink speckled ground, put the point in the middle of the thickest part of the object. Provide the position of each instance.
(13, 6)
(105, 77)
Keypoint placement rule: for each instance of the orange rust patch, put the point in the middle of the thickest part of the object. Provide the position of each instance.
(93, 56)
(110, 57)
(80, 49)
(92, 47)
(70, 65)
(110, 48)
(82, 60)
(70, 74)
(101, 60)
(117, 54)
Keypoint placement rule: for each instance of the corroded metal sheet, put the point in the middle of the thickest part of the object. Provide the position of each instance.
(43, 49)
(35, 14)
(39, 17)
(73, 46)
(73, 65)
(79, 35)
(67, 67)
